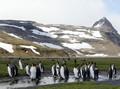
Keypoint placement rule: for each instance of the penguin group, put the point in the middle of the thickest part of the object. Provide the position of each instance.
(34, 71)
(61, 72)
(87, 70)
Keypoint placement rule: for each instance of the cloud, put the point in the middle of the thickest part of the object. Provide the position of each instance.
(76, 12)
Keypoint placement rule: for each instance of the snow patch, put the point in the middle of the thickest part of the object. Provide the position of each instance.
(77, 45)
(99, 24)
(97, 55)
(13, 35)
(71, 32)
(77, 52)
(50, 45)
(96, 34)
(64, 36)
(7, 47)
(83, 35)
(22, 28)
(30, 47)
(81, 30)
(22, 22)
(35, 31)
(89, 35)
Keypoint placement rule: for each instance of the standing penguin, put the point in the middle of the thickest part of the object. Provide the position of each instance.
(38, 72)
(20, 64)
(88, 69)
(82, 70)
(33, 72)
(66, 71)
(53, 69)
(96, 71)
(10, 70)
(27, 69)
(62, 72)
(76, 71)
(114, 70)
(41, 67)
(92, 74)
(110, 72)
(15, 69)
(58, 69)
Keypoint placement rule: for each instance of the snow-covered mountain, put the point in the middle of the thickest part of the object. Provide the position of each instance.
(99, 40)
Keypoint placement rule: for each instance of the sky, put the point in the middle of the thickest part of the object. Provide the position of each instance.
(72, 12)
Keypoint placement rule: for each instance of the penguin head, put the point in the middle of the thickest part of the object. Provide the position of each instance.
(53, 63)
(33, 64)
(7, 65)
(57, 62)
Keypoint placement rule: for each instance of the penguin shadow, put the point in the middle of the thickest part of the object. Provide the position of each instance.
(13, 81)
(76, 79)
(35, 81)
(56, 80)
(61, 80)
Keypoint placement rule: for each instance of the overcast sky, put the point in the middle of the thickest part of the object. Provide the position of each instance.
(75, 12)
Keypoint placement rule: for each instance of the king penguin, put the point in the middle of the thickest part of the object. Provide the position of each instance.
(92, 74)
(20, 64)
(53, 69)
(15, 69)
(76, 71)
(62, 72)
(33, 72)
(38, 72)
(58, 69)
(10, 70)
(41, 67)
(27, 69)
(110, 72)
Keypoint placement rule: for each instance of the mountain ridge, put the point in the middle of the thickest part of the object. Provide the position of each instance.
(74, 40)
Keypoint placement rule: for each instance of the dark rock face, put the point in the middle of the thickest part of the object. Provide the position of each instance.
(104, 23)
(107, 28)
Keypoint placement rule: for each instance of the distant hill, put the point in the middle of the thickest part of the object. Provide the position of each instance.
(29, 38)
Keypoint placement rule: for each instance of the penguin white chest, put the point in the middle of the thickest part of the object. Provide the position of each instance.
(53, 70)
(92, 72)
(41, 68)
(33, 72)
(57, 69)
(20, 65)
(27, 70)
(75, 71)
(9, 71)
(62, 72)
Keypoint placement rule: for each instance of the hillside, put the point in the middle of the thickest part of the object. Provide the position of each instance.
(29, 38)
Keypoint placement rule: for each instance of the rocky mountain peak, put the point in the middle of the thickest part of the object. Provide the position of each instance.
(104, 23)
